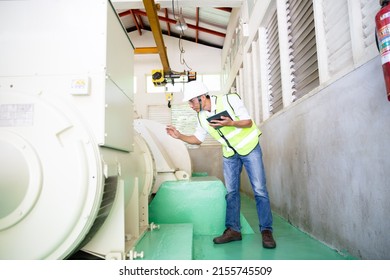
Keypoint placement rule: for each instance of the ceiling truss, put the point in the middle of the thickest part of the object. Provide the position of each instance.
(139, 16)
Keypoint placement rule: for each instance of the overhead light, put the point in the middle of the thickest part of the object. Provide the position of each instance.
(181, 25)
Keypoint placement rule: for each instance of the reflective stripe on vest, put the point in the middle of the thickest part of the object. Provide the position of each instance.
(233, 139)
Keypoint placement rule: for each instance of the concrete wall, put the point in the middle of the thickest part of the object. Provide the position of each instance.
(208, 159)
(327, 162)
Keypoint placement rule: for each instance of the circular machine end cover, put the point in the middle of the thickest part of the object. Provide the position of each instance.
(170, 155)
(50, 178)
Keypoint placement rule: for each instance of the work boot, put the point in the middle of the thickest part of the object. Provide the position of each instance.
(268, 240)
(228, 236)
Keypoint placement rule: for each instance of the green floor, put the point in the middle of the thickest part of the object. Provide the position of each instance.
(182, 236)
(292, 244)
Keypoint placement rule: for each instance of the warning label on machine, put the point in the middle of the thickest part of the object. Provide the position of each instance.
(16, 115)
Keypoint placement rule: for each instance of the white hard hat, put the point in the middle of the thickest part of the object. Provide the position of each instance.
(193, 89)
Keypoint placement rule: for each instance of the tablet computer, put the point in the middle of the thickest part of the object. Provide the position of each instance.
(218, 116)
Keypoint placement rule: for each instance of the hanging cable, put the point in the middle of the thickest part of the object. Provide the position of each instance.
(173, 9)
(182, 51)
(181, 48)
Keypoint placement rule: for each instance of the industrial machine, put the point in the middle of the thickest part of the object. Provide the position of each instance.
(77, 172)
(160, 78)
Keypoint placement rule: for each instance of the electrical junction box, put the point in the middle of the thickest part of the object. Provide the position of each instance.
(80, 86)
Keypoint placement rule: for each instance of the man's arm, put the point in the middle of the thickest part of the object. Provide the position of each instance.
(240, 111)
(225, 121)
(190, 139)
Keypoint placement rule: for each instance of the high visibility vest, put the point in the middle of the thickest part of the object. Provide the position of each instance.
(233, 139)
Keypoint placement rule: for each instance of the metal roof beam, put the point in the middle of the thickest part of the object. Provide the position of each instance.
(151, 12)
(139, 12)
(136, 23)
(146, 50)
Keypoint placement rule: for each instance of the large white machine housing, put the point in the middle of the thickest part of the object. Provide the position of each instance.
(74, 174)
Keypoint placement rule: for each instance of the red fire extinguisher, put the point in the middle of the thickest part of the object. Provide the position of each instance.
(382, 21)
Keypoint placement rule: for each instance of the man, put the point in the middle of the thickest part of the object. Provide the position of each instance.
(239, 137)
